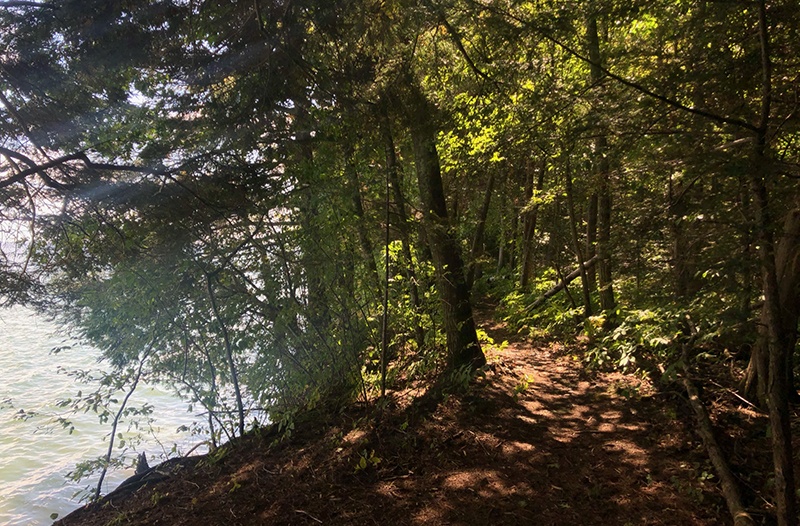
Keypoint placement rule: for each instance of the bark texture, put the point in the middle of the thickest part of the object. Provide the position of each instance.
(462, 339)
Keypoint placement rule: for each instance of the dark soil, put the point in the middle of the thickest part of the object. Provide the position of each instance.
(534, 441)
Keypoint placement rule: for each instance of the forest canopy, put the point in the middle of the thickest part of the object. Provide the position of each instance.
(297, 202)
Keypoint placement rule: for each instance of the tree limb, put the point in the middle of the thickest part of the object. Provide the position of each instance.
(569, 278)
(40, 169)
(730, 489)
(460, 45)
(21, 3)
(629, 83)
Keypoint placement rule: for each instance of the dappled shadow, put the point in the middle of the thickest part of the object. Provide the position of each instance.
(540, 444)
(534, 441)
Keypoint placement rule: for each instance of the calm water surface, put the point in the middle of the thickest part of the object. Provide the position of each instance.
(35, 456)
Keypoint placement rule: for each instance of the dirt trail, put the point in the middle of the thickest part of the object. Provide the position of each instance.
(535, 441)
(597, 449)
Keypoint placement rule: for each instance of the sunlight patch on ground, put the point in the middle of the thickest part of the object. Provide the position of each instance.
(356, 436)
(511, 448)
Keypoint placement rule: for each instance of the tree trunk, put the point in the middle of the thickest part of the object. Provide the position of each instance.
(480, 227)
(367, 250)
(787, 263)
(530, 215)
(778, 344)
(682, 268)
(591, 238)
(777, 351)
(603, 174)
(462, 339)
(228, 353)
(403, 226)
(317, 308)
(730, 488)
(573, 227)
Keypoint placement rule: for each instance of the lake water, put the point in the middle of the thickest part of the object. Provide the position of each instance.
(35, 456)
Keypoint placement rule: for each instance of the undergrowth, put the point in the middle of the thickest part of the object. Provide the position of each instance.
(647, 334)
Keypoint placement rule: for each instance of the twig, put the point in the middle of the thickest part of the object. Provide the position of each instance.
(737, 395)
(307, 514)
(203, 443)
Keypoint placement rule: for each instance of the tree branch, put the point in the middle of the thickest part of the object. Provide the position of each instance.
(20, 3)
(41, 169)
(646, 91)
(629, 83)
(460, 45)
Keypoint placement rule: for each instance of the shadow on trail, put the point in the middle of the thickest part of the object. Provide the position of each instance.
(534, 442)
(541, 445)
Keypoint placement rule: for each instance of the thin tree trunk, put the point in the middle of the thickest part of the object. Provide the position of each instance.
(528, 229)
(228, 353)
(317, 310)
(480, 227)
(358, 208)
(503, 230)
(681, 270)
(403, 227)
(530, 217)
(591, 237)
(603, 174)
(587, 297)
(115, 423)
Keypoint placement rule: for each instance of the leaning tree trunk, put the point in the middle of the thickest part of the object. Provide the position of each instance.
(728, 483)
(462, 339)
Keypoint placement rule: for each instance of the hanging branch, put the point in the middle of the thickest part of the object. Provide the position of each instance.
(622, 80)
(40, 169)
(460, 45)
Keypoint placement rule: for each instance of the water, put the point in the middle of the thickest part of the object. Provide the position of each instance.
(35, 456)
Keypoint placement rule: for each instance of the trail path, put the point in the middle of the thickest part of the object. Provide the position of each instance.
(599, 449)
(534, 442)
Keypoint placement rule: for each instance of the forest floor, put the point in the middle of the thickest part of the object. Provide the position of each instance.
(536, 440)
